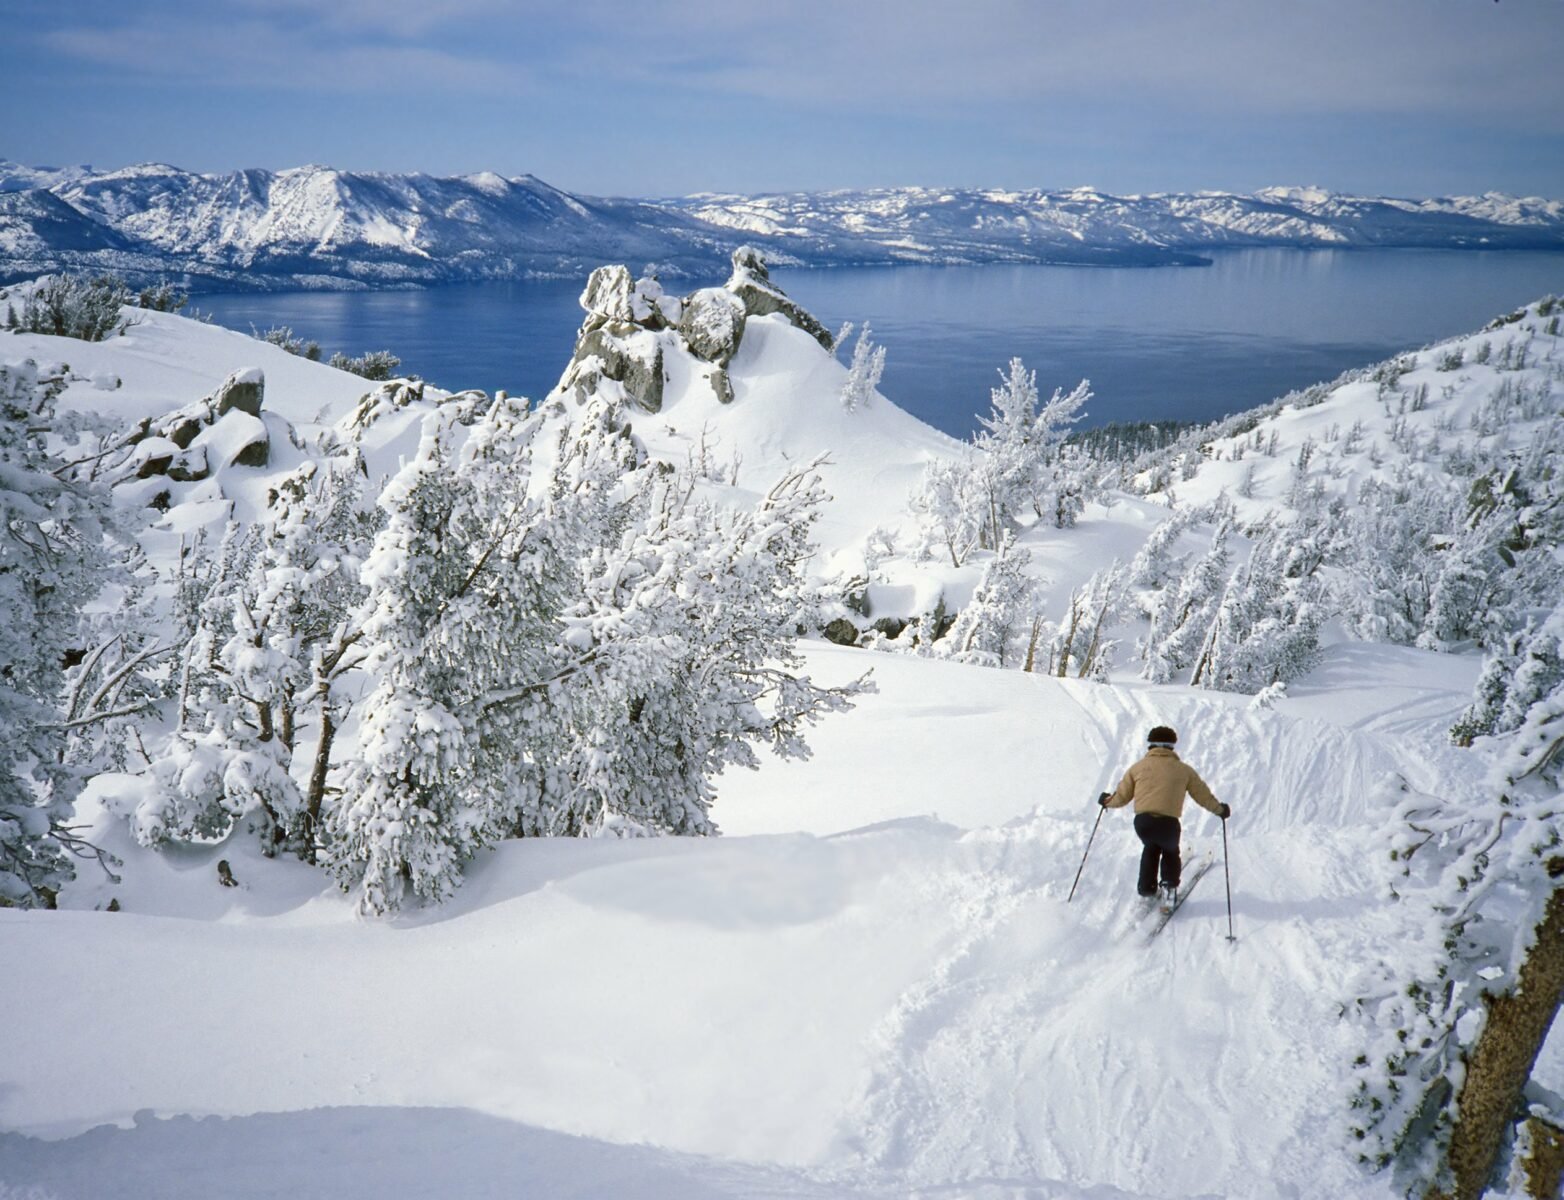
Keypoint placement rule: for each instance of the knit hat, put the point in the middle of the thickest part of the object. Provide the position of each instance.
(1162, 736)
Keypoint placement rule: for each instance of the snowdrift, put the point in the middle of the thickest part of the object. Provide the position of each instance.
(871, 986)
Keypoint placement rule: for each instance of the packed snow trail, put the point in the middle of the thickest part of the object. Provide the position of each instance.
(906, 1004)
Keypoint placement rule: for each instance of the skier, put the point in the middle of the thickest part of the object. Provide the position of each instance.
(1158, 784)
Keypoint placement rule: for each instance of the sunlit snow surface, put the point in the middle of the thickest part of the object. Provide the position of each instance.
(872, 986)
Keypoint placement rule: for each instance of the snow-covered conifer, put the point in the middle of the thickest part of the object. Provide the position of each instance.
(564, 654)
(1455, 1022)
(1154, 563)
(409, 818)
(1026, 465)
(1184, 614)
(1015, 466)
(950, 501)
(1266, 626)
(989, 628)
(1080, 646)
(52, 561)
(258, 673)
(863, 373)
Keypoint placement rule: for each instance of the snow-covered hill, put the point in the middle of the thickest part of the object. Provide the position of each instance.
(873, 985)
(314, 226)
(317, 226)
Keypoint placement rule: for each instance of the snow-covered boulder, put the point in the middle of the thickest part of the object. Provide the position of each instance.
(243, 390)
(713, 325)
(223, 429)
(614, 297)
(619, 340)
(751, 283)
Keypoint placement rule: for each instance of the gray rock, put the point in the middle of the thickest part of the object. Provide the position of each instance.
(841, 631)
(257, 454)
(243, 390)
(613, 296)
(190, 467)
(608, 294)
(712, 325)
(387, 398)
(721, 385)
(600, 354)
(751, 283)
(182, 427)
(156, 464)
(752, 262)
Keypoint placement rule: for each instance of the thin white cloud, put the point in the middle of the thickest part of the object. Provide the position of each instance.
(259, 55)
(1325, 56)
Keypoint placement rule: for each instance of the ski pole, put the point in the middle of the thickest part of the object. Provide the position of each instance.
(1229, 878)
(1082, 867)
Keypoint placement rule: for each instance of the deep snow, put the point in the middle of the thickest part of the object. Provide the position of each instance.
(872, 986)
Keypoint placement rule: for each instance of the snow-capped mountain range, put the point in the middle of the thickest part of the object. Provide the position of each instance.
(316, 226)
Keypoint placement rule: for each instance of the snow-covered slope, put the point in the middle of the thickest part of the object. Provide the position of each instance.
(874, 985)
(908, 1003)
(164, 361)
(317, 226)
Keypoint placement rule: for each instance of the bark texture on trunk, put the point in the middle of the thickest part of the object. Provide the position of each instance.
(1500, 1065)
(1544, 1167)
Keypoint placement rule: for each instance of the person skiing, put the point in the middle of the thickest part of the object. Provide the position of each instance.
(1158, 784)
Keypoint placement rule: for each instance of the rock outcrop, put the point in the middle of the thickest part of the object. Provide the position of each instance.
(631, 324)
(187, 445)
(751, 283)
(618, 340)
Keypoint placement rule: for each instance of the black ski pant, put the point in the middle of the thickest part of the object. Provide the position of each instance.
(1159, 835)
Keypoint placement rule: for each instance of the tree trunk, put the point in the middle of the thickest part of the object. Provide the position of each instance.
(1500, 1063)
(1031, 645)
(317, 787)
(1544, 1167)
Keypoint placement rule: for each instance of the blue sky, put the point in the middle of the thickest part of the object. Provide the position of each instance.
(663, 97)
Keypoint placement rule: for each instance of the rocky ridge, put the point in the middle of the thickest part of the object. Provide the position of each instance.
(632, 323)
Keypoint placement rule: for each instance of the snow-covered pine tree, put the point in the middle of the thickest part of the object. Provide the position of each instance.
(582, 651)
(1154, 563)
(52, 562)
(1184, 614)
(1267, 624)
(1025, 458)
(271, 636)
(988, 630)
(1455, 1024)
(1392, 566)
(689, 631)
(1080, 646)
(410, 815)
(121, 679)
(864, 371)
(1015, 464)
(950, 501)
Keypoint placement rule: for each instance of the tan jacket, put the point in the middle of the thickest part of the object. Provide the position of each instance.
(1158, 784)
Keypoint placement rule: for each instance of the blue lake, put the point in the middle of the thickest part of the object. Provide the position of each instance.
(1186, 343)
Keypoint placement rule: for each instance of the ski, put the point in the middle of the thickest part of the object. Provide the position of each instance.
(1192, 877)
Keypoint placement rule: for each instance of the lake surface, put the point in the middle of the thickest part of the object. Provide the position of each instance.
(1184, 343)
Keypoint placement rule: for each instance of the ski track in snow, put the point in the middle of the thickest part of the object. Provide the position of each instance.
(885, 1004)
(1092, 1056)
(908, 1008)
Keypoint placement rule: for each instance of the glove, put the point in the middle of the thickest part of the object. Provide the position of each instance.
(1225, 812)
(1104, 798)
